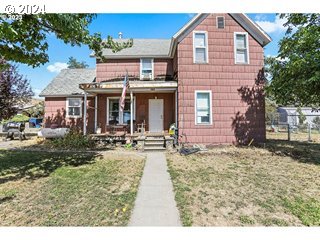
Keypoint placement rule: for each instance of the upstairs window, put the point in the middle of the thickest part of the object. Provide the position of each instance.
(241, 48)
(200, 47)
(146, 68)
(74, 107)
(220, 22)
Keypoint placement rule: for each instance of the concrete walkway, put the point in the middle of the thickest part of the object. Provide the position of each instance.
(155, 204)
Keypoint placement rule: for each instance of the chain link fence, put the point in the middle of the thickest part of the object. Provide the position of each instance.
(291, 129)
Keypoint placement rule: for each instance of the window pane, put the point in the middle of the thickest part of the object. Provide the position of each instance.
(200, 55)
(241, 56)
(74, 111)
(146, 71)
(220, 22)
(241, 41)
(74, 102)
(146, 64)
(203, 107)
(199, 40)
(113, 111)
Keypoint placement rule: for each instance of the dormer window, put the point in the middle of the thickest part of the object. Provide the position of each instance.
(200, 47)
(146, 68)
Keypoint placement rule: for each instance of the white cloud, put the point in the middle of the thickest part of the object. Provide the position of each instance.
(57, 67)
(272, 27)
(260, 17)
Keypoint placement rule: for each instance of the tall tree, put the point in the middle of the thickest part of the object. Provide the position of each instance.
(25, 40)
(14, 90)
(74, 63)
(295, 72)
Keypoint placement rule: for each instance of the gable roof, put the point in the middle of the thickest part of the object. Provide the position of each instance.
(66, 83)
(141, 48)
(243, 20)
(165, 48)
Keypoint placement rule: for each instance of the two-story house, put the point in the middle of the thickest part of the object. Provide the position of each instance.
(208, 79)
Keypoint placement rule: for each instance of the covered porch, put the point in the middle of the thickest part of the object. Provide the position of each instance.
(150, 108)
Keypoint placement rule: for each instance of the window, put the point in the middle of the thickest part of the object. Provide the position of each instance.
(114, 115)
(241, 48)
(74, 107)
(203, 113)
(200, 50)
(220, 22)
(146, 68)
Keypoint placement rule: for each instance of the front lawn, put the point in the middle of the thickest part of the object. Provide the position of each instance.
(228, 186)
(68, 189)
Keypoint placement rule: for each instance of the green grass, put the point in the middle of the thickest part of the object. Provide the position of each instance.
(244, 219)
(307, 210)
(240, 186)
(182, 202)
(64, 189)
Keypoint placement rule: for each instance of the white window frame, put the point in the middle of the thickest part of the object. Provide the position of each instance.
(235, 47)
(127, 98)
(67, 107)
(224, 22)
(196, 108)
(152, 64)
(206, 47)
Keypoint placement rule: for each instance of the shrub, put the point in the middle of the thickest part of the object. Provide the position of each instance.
(73, 140)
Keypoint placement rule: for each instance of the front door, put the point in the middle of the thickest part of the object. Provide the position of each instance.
(155, 115)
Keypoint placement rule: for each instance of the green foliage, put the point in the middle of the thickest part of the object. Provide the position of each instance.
(73, 63)
(73, 140)
(37, 110)
(25, 41)
(15, 89)
(307, 210)
(301, 116)
(316, 121)
(295, 72)
(272, 116)
(17, 118)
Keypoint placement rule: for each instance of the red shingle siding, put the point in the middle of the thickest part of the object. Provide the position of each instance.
(55, 114)
(116, 68)
(224, 78)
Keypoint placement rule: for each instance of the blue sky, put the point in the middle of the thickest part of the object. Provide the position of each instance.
(132, 26)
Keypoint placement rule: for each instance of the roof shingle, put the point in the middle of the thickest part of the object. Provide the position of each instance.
(141, 48)
(67, 82)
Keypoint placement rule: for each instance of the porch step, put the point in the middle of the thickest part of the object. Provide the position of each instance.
(154, 143)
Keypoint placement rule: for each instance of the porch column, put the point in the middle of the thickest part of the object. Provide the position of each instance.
(85, 114)
(95, 113)
(176, 107)
(131, 113)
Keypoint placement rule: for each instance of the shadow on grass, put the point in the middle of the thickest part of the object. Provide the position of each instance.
(15, 164)
(300, 151)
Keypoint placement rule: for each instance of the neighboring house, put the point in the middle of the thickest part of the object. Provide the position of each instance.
(290, 115)
(208, 78)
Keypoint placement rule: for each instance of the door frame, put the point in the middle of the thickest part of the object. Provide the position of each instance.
(149, 114)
